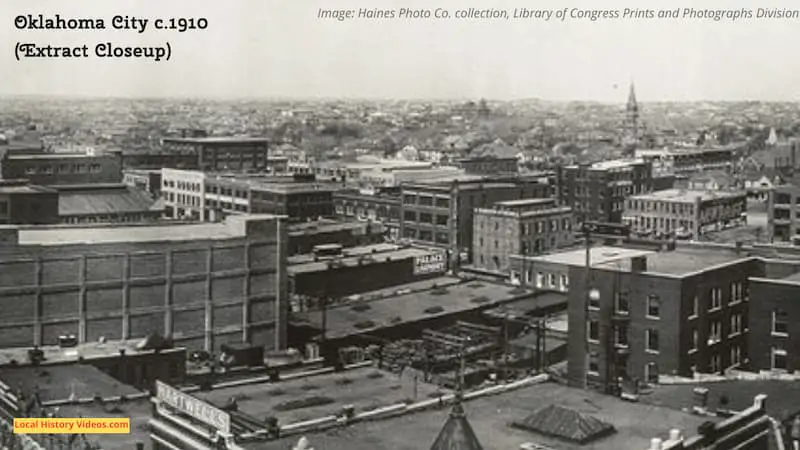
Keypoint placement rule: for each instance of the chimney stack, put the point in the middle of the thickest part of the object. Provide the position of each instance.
(639, 264)
(655, 444)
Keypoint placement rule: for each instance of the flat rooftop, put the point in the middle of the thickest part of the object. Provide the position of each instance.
(381, 247)
(233, 227)
(526, 202)
(688, 195)
(365, 388)
(218, 140)
(599, 255)
(681, 261)
(89, 350)
(59, 382)
(342, 320)
(139, 411)
(325, 226)
(57, 155)
(25, 189)
(352, 261)
(611, 164)
(636, 423)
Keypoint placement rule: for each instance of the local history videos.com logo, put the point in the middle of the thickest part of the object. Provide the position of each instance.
(72, 426)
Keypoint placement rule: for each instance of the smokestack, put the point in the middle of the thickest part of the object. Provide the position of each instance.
(655, 444)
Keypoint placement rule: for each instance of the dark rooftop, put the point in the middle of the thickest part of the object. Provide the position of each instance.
(218, 140)
(60, 382)
(103, 200)
(636, 423)
(344, 321)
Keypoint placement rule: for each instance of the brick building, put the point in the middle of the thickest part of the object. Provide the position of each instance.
(222, 153)
(210, 197)
(657, 313)
(774, 337)
(383, 208)
(204, 285)
(441, 213)
(597, 192)
(783, 213)
(47, 169)
(524, 227)
(685, 213)
(24, 204)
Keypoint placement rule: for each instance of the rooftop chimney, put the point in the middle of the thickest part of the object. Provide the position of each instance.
(655, 444)
(639, 264)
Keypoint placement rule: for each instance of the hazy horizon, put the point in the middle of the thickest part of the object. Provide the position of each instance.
(279, 50)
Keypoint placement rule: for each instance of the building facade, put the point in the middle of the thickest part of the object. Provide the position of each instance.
(47, 169)
(688, 161)
(106, 203)
(442, 213)
(24, 204)
(222, 153)
(146, 180)
(774, 337)
(207, 197)
(597, 192)
(488, 165)
(203, 285)
(519, 227)
(685, 213)
(646, 314)
(783, 213)
(381, 208)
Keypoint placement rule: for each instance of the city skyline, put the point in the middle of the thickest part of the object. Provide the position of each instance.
(281, 50)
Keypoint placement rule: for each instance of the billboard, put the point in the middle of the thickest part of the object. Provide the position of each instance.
(193, 407)
(430, 263)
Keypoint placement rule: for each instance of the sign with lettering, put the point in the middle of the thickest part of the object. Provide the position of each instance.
(193, 407)
(431, 263)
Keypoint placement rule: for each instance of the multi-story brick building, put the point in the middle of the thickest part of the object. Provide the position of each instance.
(642, 314)
(147, 180)
(774, 323)
(597, 192)
(24, 204)
(209, 197)
(526, 227)
(685, 213)
(783, 213)
(203, 285)
(383, 208)
(441, 213)
(222, 153)
(687, 161)
(47, 169)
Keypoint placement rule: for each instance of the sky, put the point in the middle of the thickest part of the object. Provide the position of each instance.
(279, 48)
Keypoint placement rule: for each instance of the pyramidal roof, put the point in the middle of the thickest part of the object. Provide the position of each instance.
(566, 424)
(457, 433)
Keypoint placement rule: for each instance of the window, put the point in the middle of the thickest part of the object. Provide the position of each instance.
(594, 299)
(736, 324)
(564, 282)
(3, 207)
(539, 280)
(593, 330)
(651, 372)
(653, 307)
(780, 324)
(594, 364)
(716, 299)
(622, 306)
(736, 355)
(714, 332)
(737, 292)
(695, 341)
(779, 359)
(695, 307)
(651, 337)
(621, 336)
(551, 280)
(716, 364)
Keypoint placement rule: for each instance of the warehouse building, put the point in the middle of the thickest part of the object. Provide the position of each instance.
(203, 285)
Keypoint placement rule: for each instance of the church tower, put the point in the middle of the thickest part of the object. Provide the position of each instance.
(632, 116)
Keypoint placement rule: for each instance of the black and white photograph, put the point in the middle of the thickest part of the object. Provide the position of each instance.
(399, 225)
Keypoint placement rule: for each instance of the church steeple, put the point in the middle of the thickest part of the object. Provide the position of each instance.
(632, 115)
(457, 433)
